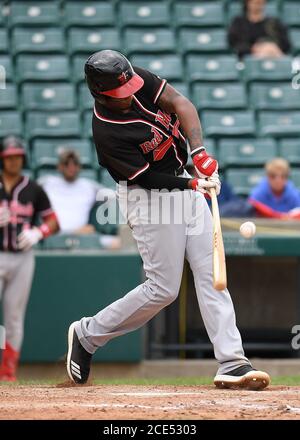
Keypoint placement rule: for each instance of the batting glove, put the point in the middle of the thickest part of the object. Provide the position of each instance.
(4, 216)
(216, 179)
(28, 238)
(205, 165)
(202, 185)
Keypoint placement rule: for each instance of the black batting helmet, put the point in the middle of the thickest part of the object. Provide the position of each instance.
(12, 146)
(109, 72)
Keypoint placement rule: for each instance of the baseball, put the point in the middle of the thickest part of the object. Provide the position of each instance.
(248, 229)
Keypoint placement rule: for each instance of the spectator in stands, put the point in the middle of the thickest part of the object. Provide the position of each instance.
(255, 33)
(73, 197)
(276, 196)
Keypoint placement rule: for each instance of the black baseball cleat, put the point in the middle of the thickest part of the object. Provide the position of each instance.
(78, 359)
(244, 377)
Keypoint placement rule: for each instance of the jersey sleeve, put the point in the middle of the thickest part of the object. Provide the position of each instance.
(42, 204)
(124, 161)
(153, 84)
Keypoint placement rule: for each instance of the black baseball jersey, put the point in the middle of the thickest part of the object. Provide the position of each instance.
(26, 202)
(145, 137)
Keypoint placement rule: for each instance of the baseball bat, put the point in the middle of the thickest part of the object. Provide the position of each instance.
(219, 263)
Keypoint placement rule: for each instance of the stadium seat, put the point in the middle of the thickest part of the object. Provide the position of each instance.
(87, 124)
(52, 124)
(228, 123)
(45, 152)
(2, 17)
(47, 40)
(145, 14)
(277, 96)
(199, 13)
(8, 97)
(10, 123)
(205, 40)
(69, 242)
(86, 101)
(89, 41)
(290, 150)
(295, 177)
(89, 13)
(40, 13)
(181, 87)
(212, 68)
(235, 8)
(219, 96)
(6, 72)
(246, 152)
(291, 13)
(78, 62)
(3, 41)
(279, 124)
(155, 40)
(46, 68)
(295, 39)
(166, 66)
(48, 96)
(243, 180)
(268, 69)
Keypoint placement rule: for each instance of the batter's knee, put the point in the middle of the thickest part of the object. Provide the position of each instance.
(162, 293)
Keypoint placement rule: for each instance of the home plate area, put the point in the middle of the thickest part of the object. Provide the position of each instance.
(104, 402)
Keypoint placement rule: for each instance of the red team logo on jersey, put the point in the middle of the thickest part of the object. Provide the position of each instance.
(164, 118)
(160, 148)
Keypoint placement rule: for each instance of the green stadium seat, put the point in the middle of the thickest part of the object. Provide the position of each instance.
(8, 97)
(52, 124)
(6, 72)
(89, 41)
(86, 101)
(2, 16)
(155, 40)
(165, 66)
(276, 96)
(10, 123)
(199, 13)
(42, 68)
(295, 39)
(228, 123)
(48, 96)
(243, 180)
(212, 68)
(78, 62)
(279, 124)
(268, 69)
(87, 124)
(73, 242)
(181, 87)
(246, 152)
(295, 177)
(219, 96)
(40, 13)
(89, 13)
(235, 8)
(203, 40)
(290, 150)
(145, 14)
(3, 41)
(291, 13)
(45, 152)
(47, 40)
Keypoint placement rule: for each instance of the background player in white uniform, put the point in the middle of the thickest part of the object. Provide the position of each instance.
(22, 201)
(140, 126)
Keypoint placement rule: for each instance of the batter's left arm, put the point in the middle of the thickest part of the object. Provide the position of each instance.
(173, 102)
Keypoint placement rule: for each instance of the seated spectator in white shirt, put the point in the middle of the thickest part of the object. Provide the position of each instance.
(73, 197)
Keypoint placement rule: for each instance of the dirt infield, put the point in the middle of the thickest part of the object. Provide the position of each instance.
(147, 402)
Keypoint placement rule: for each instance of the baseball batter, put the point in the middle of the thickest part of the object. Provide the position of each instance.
(22, 201)
(141, 126)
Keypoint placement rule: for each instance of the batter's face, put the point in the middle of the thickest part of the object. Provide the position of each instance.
(13, 165)
(69, 169)
(119, 105)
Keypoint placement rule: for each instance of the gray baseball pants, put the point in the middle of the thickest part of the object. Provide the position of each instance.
(164, 240)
